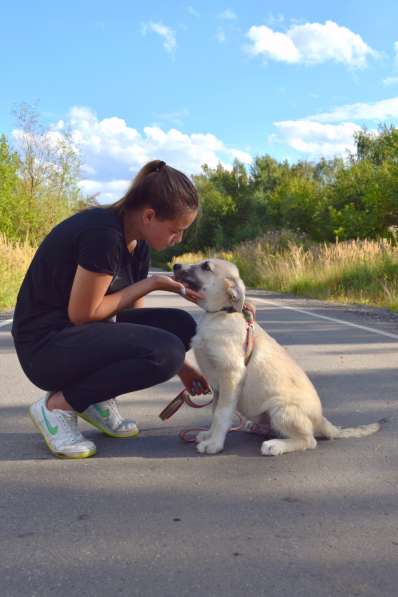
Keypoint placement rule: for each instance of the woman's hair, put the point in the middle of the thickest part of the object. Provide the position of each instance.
(167, 190)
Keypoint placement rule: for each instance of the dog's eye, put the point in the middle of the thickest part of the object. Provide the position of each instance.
(206, 266)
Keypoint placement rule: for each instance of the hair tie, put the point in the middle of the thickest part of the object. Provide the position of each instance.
(160, 166)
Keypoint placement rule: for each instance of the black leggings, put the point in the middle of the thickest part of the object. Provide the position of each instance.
(100, 360)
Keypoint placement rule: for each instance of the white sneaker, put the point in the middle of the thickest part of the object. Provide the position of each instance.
(60, 431)
(106, 417)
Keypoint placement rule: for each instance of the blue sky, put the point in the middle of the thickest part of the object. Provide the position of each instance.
(194, 82)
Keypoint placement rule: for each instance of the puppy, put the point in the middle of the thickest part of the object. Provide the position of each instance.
(271, 387)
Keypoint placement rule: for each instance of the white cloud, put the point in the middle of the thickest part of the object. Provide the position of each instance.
(331, 133)
(112, 152)
(168, 35)
(311, 43)
(388, 81)
(274, 45)
(227, 15)
(315, 139)
(378, 111)
(108, 191)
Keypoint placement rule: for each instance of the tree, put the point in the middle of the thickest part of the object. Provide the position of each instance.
(9, 166)
(377, 147)
(48, 174)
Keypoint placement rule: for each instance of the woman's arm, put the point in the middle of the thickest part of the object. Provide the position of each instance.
(139, 303)
(88, 301)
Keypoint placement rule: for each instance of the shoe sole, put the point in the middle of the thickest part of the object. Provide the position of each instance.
(79, 456)
(106, 431)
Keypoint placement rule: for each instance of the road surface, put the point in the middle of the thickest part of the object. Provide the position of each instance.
(150, 517)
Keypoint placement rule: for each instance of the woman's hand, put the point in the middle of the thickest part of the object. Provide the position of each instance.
(171, 285)
(166, 283)
(194, 381)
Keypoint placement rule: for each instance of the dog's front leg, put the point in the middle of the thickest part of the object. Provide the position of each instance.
(228, 395)
(205, 434)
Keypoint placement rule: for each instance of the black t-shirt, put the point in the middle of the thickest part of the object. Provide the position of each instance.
(93, 239)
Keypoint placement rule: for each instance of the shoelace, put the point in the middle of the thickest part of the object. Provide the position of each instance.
(114, 411)
(68, 421)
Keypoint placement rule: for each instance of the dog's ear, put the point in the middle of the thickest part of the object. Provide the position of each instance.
(235, 290)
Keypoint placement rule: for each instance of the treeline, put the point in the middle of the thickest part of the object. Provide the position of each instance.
(352, 198)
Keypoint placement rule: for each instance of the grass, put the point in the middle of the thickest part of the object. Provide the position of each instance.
(357, 271)
(361, 271)
(15, 258)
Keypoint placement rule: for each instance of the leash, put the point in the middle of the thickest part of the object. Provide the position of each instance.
(249, 341)
(184, 397)
(174, 405)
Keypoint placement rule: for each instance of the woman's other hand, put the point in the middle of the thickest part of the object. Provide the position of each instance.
(193, 380)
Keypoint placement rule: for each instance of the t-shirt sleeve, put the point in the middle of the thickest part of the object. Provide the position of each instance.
(144, 262)
(99, 250)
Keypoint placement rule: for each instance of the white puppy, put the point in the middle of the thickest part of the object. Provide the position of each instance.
(270, 388)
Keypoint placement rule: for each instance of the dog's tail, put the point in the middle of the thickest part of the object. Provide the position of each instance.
(330, 431)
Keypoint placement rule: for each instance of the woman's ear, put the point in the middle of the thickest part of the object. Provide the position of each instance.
(147, 215)
(235, 291)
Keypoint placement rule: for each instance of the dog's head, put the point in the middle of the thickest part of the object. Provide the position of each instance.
(217, 280)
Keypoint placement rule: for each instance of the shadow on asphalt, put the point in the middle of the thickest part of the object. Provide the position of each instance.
(359, 397)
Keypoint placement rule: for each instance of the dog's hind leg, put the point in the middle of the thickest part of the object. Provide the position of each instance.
(291, 422)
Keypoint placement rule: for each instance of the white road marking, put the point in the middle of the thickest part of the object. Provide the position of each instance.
(273, 302)
(5, 322)
(340, 321)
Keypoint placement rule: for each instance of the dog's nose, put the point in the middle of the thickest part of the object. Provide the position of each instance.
(176, 267)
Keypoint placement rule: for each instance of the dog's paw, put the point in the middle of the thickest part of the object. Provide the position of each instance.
(202, 436)
(210, 446)
(273, 447)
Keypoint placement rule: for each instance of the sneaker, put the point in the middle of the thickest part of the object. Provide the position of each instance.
(60, 431)
(106, 417)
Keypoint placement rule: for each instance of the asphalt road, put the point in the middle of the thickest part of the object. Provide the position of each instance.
(150, 517)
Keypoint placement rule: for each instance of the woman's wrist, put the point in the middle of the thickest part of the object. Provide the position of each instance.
(151, 283)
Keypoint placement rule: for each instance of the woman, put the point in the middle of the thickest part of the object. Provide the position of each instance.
(80, 330)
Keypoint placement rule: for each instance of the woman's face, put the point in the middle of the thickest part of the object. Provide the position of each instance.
(161, 234)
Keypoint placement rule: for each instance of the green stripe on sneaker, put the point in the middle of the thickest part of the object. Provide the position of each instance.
(104, 412)
(52, 429)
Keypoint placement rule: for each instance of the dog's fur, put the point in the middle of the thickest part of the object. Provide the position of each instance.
(272, 387)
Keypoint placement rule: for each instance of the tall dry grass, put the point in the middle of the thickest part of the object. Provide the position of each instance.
(357, 271)
(15, 258)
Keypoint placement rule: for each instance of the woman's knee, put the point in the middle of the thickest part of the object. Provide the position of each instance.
(170, 355)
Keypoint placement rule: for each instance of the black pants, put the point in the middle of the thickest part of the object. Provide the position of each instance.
(100, 360)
